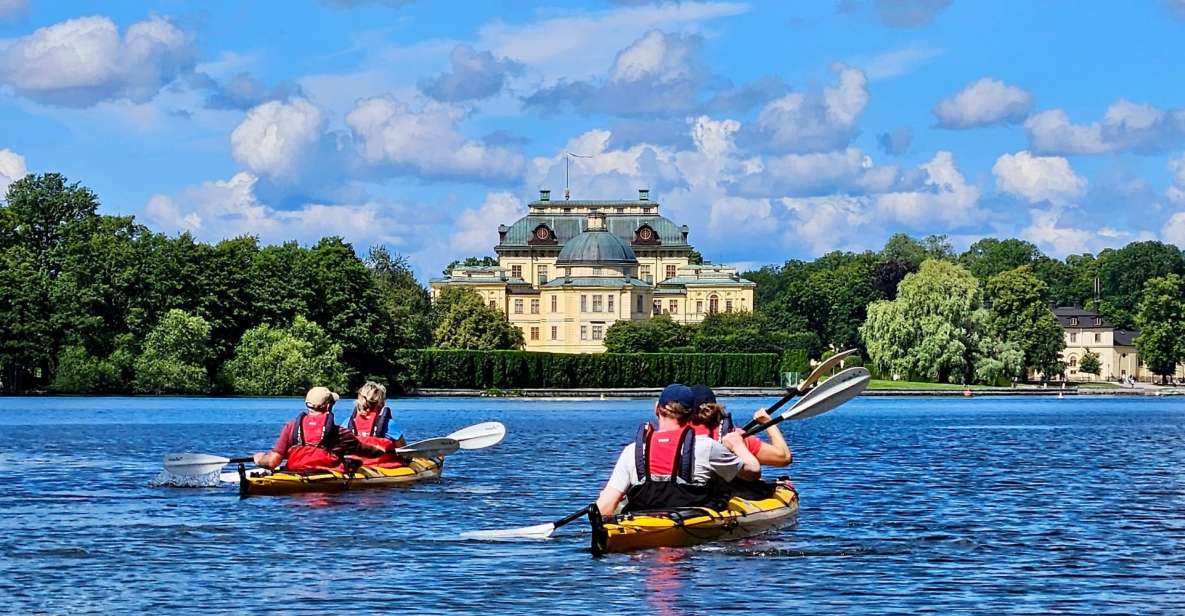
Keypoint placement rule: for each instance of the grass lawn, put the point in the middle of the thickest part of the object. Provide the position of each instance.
(1100, 385)
(886, 384)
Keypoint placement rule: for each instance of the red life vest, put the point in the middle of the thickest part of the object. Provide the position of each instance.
(669, 453)
(372, 430)
(312, 443)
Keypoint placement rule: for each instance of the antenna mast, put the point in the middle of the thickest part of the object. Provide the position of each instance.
(567, 159)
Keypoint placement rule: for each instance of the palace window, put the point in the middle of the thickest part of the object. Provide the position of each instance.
(518, 306)
(542, 274)
(598, 332)
(609, 300)
(596, 303)
(673, 306)
(658, 306)
(645, 269)
(516, 271)
(670, 271)
(713, 304)
(1073, 337)
(728, 305)
(583, 303)
(1098, 337)
(534, 333)
(1073, 320)
(554, 332)
(699, 306)
(554, 303)
(584, 332)
(534, 306)
(1098, 320)
(1073, 362)
(640, 305)
(493, 304)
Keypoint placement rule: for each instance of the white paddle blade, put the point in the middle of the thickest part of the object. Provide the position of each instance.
(430, 448)
(539, 531)
(824, 368)
(194, 464)
(480, 436)
(837, 390)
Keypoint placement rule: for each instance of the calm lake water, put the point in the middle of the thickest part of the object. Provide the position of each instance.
(985, 505)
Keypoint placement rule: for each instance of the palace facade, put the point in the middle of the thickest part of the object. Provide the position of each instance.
(570, 269)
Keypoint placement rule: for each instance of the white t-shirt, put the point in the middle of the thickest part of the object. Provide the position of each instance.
(711, 458)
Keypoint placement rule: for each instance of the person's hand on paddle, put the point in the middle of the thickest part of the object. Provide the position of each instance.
(761, 416)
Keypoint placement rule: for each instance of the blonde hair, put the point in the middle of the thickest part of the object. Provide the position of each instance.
(370, 395)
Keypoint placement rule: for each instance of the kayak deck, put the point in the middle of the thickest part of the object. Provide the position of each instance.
(258, 482)
(693, 526)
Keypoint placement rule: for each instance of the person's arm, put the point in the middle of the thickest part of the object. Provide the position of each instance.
(273, 458)
(268, 459)
(750, 467)
(777, 451)
(349, 445)
(609, 500)
(619, 482)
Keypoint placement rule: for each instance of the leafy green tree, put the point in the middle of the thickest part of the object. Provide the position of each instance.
(932, 330)
(991, 256)
(998, 362)
(407, 303)
(174, 357)
(737, 332)
(281, 283)
(470, 262)
(1124, 272)
(464, 321)
(79, 372)
(887, 274)
(654, 335)
(1020, 315)
(286, 361)
(1090, 363)
(26, 337)
(1160, 316)
(904, 248)
(41, 208)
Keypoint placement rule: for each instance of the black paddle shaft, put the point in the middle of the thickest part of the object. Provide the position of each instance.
(753, 423)
(758, 429)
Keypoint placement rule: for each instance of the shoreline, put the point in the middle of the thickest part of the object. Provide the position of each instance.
(772, 392)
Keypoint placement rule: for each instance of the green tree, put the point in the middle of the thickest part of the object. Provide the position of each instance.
(1090, 364)
(470, 262)
(991, 256)
(79, 372)
(41, 209)
(932, 330)
(1160, 316)
(464, 321)
(1020, 315)
(407, 303)
(1124, 272)
(26, 336)
(904, 248)
(654, 335)
(174, 357)
(737, 332)
(286, 361)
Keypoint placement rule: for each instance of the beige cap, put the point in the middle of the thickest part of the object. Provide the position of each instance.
(320, 396)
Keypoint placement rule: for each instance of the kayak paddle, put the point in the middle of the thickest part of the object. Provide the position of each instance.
(199, 464)
(480, 436)
(823, 368)
(833, 392)
(538, 531)
(428, 448)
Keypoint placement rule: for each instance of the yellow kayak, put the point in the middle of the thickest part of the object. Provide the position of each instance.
(696, 525)
(279, 483)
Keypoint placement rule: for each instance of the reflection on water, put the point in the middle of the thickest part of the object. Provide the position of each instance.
(983, 505)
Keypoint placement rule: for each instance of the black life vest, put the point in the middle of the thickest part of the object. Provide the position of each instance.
(378, 428)
(677, 490)
(726, 425)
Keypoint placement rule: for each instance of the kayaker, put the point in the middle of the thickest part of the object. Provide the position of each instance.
(371, 423)
(312, 440)
(669, 466)
(712, 419)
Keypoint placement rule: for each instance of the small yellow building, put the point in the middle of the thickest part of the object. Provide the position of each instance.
(568, 270)
(1086, 331)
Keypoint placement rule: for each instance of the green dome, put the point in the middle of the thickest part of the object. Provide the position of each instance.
(592, 247)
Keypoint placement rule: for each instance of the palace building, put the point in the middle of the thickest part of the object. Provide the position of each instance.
(570, 269)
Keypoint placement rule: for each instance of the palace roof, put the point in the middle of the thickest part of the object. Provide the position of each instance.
(596, 247)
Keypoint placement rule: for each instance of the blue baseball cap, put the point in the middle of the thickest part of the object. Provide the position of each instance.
(677, 392)
(702, 394)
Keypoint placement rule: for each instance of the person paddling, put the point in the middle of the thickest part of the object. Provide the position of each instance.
(313, 441)
(371, 423)
(669, 466)
(710, 418)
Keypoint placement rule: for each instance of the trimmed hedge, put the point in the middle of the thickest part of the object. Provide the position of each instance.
(438, 368)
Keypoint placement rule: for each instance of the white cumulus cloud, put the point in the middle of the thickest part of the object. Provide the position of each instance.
(476, 229)
(12, 168)
(1038, 178)
(80, 62)
(426, 142)
(1126, 126)
(278, 139)
(813, 121)
(982, 103)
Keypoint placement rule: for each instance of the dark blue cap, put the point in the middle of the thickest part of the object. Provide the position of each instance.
(677, 392)
(702, 394)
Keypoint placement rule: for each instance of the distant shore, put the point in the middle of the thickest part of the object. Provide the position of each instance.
(772, 392)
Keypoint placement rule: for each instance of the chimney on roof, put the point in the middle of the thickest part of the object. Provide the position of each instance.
(643, 194)
(545, 195)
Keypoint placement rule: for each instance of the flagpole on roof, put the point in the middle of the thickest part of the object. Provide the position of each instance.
(567, 159)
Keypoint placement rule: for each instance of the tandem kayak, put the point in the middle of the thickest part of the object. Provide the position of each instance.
(695, 525)
(279, 483)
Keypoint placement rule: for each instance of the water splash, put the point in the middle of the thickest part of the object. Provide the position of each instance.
(167, 479)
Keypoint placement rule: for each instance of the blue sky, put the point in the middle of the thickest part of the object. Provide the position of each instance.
(774, 129)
